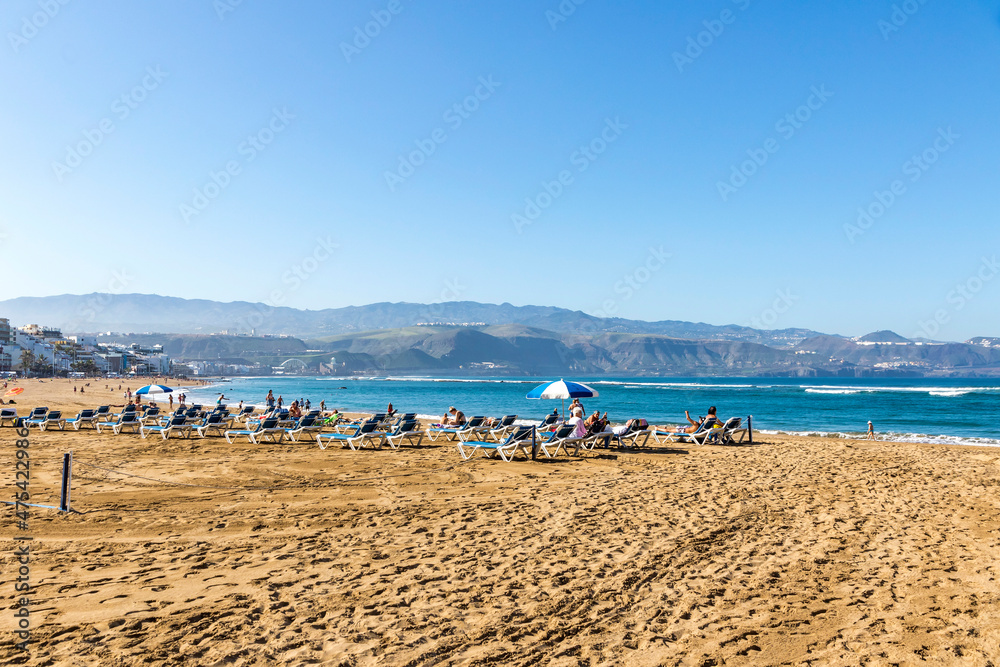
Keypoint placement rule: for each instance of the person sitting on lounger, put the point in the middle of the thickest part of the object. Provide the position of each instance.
(453, 417)
(294, 411)
(579, 423)
(708, 422)
(595, 423)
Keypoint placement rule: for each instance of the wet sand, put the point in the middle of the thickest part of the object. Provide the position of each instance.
(791, 551)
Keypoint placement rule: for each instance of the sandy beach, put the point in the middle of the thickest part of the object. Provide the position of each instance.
(791, 551)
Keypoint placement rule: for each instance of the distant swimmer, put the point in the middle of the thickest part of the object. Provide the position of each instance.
(871, 430)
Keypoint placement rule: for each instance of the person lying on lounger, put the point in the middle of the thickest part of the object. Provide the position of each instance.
(708, 422)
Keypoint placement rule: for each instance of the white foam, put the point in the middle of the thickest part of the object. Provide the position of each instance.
(921, 438)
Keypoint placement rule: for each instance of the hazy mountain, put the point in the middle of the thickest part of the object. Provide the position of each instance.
(150, 313)
(884, 336)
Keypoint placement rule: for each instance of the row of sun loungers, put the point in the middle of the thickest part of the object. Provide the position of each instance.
(502, 438)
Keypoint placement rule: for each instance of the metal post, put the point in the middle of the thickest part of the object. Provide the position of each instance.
(67, 476)
(750, 427)
(534, 444)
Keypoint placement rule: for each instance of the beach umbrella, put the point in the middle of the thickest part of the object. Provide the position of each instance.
(562, 389)
(14, 392)
(153, 389)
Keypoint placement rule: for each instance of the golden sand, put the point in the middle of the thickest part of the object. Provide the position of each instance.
(792, 551)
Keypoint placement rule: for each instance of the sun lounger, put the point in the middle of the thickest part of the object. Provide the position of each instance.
(406, 432)
(502, 428)
(84, 417)
(518, 441)
(8, 415)
(265, 431)
(307, 426)
(126, 422)
(151, 416)
(128, 409)
(634, 439)
(400, 418)
(214, 422)
(549, 420)
(734, 426)
(52, 419)
(595, 440)
(36, 413)
(560, 440)
(177, 425)
(472, 427)
(103, 413)
(703, 436)
(366, 433)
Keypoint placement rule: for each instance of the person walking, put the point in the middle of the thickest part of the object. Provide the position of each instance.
(871, 431)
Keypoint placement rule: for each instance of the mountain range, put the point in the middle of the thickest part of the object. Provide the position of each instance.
(127, 313)
(476, 338)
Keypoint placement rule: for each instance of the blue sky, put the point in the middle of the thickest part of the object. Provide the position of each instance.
(705, 161)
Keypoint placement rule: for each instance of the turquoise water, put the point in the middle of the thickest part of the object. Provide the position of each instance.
(959, 411)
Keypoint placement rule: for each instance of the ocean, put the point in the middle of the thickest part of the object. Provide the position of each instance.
(946, 411)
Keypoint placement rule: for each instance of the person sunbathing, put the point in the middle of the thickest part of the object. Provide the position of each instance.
(453, 417)
(707, 422)
(595, 423)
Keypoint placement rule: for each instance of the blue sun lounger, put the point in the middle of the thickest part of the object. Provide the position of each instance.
(471, 427)
(406, 432)
(518, 441)
(52, 418)
(266, 430)
(84, 417)
(126, 422)
(366, 433)
(214, 422)
(560, 440)
(706, 433)
(503, 428)
(308, 426)
(176, 424)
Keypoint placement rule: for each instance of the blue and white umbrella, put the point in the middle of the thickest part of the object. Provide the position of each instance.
(562, 389)
(153, 389)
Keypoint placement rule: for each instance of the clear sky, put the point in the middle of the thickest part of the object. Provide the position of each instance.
(695, 161)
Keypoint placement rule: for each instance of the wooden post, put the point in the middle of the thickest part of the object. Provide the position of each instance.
(67, 482)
